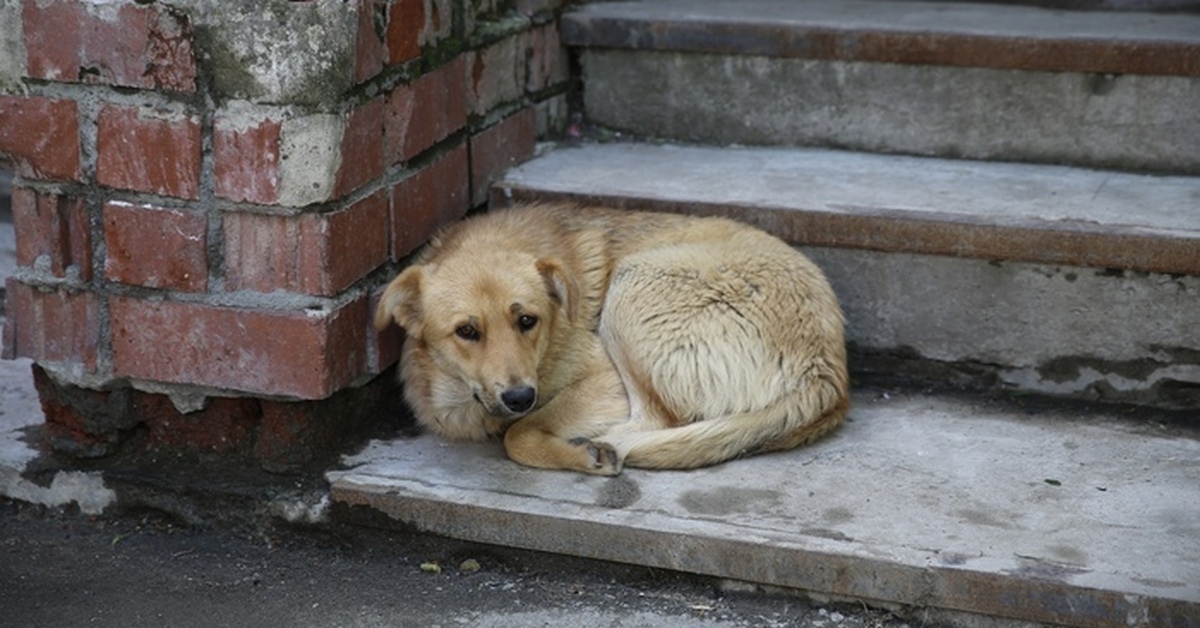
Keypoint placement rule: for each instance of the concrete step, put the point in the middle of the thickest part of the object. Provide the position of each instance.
(1044, 278)
(969, 80)
(938, 505)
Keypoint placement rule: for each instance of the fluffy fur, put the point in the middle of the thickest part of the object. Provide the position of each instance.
(592, 339)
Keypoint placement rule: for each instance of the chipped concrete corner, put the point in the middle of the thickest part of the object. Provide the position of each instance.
(86, 490)
(22, 412)
(310, 156)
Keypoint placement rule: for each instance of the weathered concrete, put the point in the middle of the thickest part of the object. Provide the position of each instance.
(969, 34)
(12, 47)
(276, 52)
(310, 156)
(1060, 330)
(1032, 274)
(1129, 122)
(978, 81)
(1066, 517)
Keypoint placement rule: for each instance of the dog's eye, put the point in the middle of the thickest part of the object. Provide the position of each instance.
(467, 332)
(527, 322)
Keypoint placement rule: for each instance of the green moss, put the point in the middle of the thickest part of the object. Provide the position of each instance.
(490, 31)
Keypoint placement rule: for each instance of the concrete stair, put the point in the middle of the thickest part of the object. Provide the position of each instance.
(976, 81)
(1041, 278)
(1004, 256)
(1006, 199)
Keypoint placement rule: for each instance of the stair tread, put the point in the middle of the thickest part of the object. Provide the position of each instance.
(921, 499)
(944, 33)
(1002, 211)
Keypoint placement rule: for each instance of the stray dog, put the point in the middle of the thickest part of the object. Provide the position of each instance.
(593, 338)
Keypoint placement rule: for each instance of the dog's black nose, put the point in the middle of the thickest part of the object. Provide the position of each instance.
(519, 399)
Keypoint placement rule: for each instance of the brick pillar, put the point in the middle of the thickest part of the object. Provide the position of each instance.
(211, 195)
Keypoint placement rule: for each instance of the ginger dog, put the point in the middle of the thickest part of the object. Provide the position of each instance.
(591, 339)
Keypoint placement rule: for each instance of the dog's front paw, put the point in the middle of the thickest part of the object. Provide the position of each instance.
(601, 458)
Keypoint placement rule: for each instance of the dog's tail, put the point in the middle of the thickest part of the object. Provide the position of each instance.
(790, 422)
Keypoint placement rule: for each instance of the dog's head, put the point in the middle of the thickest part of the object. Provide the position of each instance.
(485, 320)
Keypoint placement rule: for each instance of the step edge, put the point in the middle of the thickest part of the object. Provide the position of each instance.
(1087, 54)
(948, 587)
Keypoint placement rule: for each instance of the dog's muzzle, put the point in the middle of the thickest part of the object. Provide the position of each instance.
(519, 400)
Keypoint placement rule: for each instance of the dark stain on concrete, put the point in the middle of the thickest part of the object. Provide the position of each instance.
(1068, 554)
(838, 515)
(981, 518)
(724, 500)
(618, 492)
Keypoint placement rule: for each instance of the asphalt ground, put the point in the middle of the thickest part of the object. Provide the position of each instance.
(62, 568)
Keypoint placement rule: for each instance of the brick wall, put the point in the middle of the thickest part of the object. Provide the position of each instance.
(210, 194)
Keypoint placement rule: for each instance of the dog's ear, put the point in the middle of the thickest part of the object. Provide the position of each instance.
(401, 301)
(562, 287)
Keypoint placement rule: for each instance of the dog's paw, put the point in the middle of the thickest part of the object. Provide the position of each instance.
(601, 458)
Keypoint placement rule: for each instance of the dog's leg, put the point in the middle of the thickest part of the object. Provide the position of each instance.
(727, 437)
(646, 410)
(559, 435)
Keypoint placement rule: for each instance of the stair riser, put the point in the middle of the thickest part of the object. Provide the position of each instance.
(1109, 121)
(1062, 330)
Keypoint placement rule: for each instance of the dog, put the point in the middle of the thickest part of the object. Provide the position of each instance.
(591, 339)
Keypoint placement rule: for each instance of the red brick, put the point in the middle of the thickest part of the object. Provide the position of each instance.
(294, 433)
(362, 147)
(425, 112)
(53, 227)
(156, 247)
(147, 46)
(51, 325)
(224, 425)
(370, 46)
(320, 254)
(262, 252)
(82, 422)
(383, 347)
(406, 20)
(246, 159)
(547, 59)
(497, 74)
(498, 149)
(141, 150)
(342, 247)
(307, 354)
(434, 196)
(278, 435)
(41, 135)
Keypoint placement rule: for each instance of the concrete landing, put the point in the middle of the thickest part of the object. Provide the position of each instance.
(922, 501)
